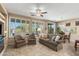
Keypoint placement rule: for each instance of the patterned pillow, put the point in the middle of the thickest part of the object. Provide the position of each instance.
(57, 38)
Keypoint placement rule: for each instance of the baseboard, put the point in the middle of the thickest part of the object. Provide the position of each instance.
(1, 54)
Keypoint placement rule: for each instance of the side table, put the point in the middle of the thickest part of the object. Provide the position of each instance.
(76, 44)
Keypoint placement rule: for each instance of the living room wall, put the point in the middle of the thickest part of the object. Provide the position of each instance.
(4, 21)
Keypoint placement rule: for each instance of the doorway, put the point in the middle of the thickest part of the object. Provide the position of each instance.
(1, 36)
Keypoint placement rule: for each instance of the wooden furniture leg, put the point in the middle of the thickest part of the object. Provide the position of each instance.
(75, 46)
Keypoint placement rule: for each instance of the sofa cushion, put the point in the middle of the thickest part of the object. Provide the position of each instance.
(31, 36)
(18, 37)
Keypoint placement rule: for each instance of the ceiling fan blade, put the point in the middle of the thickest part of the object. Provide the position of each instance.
(41, 15)
(32, 15)
(44, 12)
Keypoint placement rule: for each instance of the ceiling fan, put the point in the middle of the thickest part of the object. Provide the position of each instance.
(38, 11)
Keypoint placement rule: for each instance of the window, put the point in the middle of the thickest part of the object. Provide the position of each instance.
(18, 25)
(23, 21)
(34, 27)
(77, 23)
(27, 22)
(12, 19)
(18, 20)
(67, 24)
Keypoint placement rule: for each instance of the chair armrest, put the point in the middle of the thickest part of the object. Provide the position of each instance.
(59, 42)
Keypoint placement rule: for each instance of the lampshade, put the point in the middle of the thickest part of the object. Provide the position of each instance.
(39, 29)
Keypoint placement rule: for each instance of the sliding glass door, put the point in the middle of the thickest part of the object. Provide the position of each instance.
(50, 28)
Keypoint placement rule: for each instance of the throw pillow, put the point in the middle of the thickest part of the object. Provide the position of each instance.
(57, 38)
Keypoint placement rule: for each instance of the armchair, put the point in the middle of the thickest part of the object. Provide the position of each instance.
(19, 41)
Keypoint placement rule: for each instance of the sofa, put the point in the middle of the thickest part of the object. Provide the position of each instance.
(54, 45)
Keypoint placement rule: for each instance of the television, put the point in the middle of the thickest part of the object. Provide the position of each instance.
(0, 29)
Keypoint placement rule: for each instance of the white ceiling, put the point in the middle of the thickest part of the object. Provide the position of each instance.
(56, 11)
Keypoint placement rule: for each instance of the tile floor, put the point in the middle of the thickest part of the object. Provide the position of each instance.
(41, 50)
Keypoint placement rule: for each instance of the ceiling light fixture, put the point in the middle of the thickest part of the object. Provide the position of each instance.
(38, 11)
